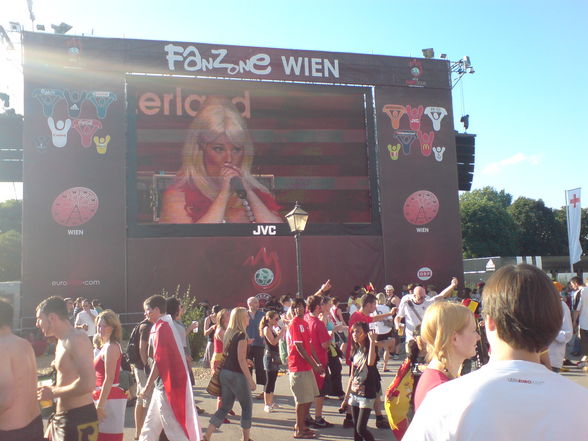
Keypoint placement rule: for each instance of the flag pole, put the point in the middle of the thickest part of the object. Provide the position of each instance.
(568, 225)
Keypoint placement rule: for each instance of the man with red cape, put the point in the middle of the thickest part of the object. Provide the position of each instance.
(172, 404)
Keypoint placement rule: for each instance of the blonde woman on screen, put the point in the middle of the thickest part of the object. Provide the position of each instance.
(214, 184)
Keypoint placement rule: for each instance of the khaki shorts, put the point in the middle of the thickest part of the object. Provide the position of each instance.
(303, 386)
(141, 378)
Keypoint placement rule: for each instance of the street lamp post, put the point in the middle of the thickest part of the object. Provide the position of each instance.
(297, 222)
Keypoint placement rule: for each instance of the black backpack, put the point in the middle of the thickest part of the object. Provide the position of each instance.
(133, 355)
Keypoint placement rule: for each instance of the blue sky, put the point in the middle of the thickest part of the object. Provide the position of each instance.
(526, 100)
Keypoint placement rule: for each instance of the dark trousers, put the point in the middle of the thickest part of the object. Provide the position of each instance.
(335, 387)
(270, 384)
(584, 341)
(360, 420)
(255, 354)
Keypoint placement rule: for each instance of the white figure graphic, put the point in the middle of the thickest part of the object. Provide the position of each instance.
(438, 152)
(59, 131)
(436, 114)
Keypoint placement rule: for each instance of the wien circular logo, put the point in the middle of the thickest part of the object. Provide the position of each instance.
(421, 207)
(264, 277)
(424, 273)
(74, 207)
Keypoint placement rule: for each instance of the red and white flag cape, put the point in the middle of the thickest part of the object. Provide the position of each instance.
(168, 354)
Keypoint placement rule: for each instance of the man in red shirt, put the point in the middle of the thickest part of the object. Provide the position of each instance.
(320, 340)
(301, 364)
(368, 306)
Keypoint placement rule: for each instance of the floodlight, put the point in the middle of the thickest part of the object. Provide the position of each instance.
(6, 98)
(443, 56)
(428, 53)
(61, 28)
(466, 121)
(466, 62)
(15, 26)
(40, 27)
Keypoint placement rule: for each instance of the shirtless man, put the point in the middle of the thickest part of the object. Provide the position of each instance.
(20, 418)
(75, 416)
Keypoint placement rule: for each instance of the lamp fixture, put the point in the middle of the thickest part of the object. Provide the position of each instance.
(429, 53)
(61, 28)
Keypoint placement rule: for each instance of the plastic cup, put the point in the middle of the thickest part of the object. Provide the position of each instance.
(45, 403)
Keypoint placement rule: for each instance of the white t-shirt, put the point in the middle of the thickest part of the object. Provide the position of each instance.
(83, 318)
(557, 348)
(504, 400)
(413, 316)
(379, 326)
(583, 308)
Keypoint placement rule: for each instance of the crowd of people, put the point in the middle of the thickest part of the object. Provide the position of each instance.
(520, 323)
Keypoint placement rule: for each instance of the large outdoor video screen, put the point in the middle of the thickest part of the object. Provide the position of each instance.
(208, 154)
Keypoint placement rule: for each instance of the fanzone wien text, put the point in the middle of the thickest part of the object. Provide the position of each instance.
(259, 64)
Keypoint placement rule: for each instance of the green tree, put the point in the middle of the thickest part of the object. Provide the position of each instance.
(538, 230)
(10, 249)
(10, 215)
(487, 228)
(489, 194)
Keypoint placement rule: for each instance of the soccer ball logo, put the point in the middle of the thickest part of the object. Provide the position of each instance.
(264, 277)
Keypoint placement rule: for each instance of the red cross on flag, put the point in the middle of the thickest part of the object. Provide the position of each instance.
(574, 214)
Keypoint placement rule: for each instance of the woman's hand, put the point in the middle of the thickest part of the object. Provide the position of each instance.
(252, 384)
(373, 336)
(249, 363)
(227, 173)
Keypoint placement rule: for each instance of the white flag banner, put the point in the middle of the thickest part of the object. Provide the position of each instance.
(574, 213)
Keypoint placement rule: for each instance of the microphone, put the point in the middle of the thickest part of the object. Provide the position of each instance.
(236, 186)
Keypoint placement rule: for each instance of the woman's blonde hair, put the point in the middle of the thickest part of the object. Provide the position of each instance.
(111, 319)
(236, 325)
(219, 318)
(440, 323)
(381, 298)
(218, 116)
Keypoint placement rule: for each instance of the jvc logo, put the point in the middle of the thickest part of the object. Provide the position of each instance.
(265, 230)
